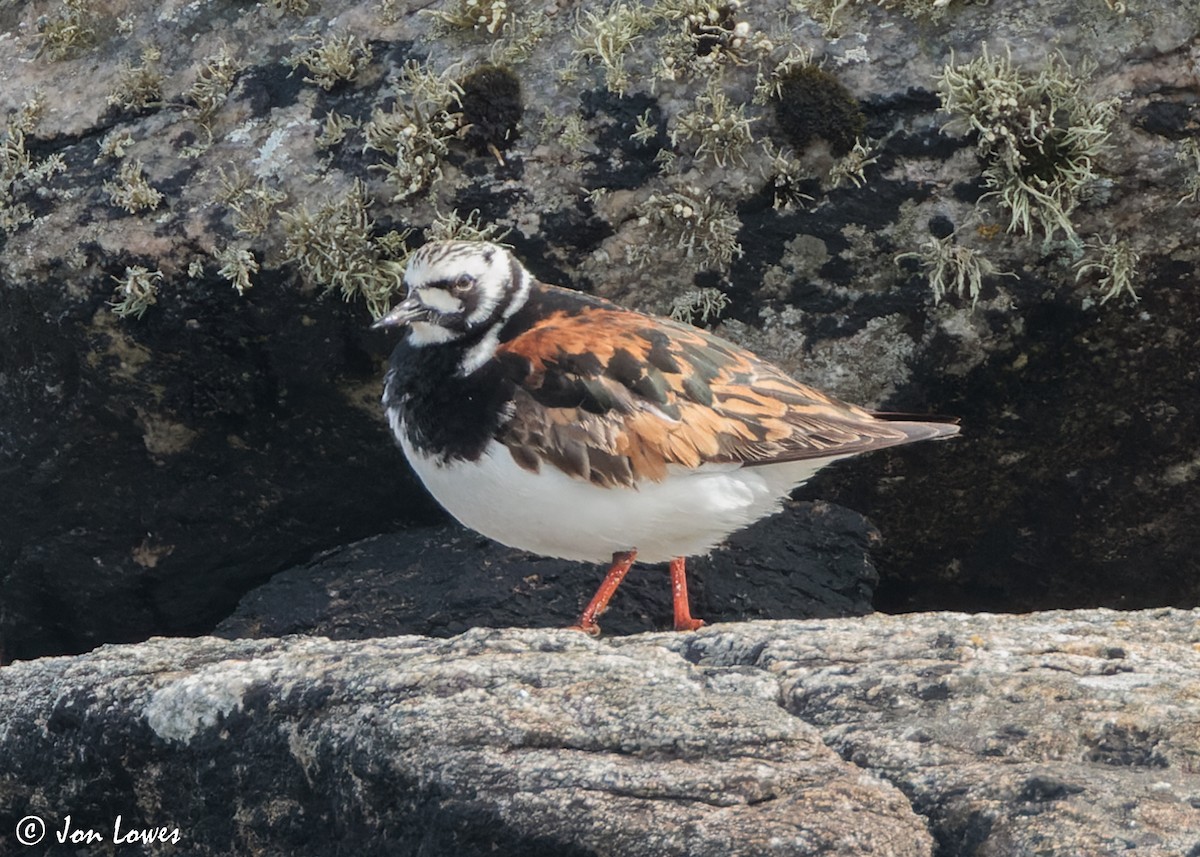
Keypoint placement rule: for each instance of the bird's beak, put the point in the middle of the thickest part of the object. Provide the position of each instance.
(404, 313)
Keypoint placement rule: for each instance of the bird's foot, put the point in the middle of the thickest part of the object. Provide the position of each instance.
(621, 563)
(592, 630)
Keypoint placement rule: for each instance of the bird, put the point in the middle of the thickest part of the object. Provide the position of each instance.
(562, 424)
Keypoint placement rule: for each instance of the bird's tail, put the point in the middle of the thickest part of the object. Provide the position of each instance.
(922, 426)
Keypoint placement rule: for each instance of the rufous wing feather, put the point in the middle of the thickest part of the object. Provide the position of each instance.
(613, 396)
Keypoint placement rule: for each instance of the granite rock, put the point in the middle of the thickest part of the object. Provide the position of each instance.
(1053, 734)
(1061, 733)
(494, 742)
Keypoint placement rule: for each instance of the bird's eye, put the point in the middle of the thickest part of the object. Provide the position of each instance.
(462, 284)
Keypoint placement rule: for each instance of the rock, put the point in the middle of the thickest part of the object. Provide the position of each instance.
(810, 561)
(157, 466)
(1061, 733)
(495, 742)
(1053, 734)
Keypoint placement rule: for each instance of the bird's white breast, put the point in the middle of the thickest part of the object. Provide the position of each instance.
(552, 514)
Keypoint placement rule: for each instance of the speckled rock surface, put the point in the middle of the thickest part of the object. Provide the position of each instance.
(156, 469)
(502, 742)
(1054, 734)
(1063, 733)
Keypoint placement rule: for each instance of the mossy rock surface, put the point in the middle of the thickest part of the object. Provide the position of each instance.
(157, 468)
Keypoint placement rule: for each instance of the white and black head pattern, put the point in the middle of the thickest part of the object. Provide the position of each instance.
(459, 290)
(444, 393)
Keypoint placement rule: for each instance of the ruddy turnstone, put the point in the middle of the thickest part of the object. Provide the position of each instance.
(565, 425)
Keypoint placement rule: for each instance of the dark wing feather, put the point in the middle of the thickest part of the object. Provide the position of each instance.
(612, 396)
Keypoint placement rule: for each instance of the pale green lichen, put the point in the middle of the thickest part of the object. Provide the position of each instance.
(953, 268)
(852, 167)
(68, 33)
(237, 264)
(706, 37)
(451, 227)
(138, 86)
(519, 39)
(786, 175)
(332, 59)
(1189, 156)
(390, 11)
(233, 184)
(290, 7)
(703, 227)
(700, 38)
(114, 145)
(720, 126)
(768, 85)
(644, 130)
(136, 291)
(417, 131)
(335, 247)
(604, 38)
(666, 161)
(569, 131)
(214, 79)
(703, 305)
(25, 119)
(1038, 135)
(1115, 261)
(131, 191)
(827, 11)
(337, 125)
(486, 16)
(254, 205)
(19, 172)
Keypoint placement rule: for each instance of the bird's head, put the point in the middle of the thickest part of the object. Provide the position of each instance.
(457, 289)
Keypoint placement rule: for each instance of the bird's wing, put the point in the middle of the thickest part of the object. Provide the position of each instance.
(614, 397)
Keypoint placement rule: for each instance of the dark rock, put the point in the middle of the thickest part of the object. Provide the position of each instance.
(1038, 503)
(811, 561)
(155, 475)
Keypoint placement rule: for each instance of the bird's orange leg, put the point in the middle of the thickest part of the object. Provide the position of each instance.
(622, 561)
(683, 613)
